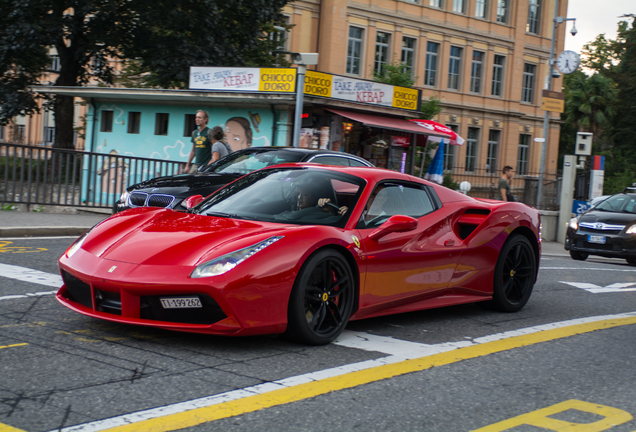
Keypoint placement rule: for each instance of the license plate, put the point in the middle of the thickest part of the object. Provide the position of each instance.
(181, 303)
(596, 239)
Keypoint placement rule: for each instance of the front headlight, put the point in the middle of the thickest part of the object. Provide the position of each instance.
(574, 223)
(227, 262)
(631, 230)
(123, 198)
(75, 246)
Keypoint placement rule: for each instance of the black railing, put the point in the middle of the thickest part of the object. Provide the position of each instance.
(46, 176)
(484, 184)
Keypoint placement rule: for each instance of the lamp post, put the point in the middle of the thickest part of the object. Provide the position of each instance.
(546, 118)
(302, 60)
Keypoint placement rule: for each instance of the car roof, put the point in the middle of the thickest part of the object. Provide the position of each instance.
(306, 151)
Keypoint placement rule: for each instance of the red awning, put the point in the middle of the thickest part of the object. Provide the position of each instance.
(387, 123)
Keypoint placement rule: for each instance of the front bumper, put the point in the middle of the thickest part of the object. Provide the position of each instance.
(615, 246)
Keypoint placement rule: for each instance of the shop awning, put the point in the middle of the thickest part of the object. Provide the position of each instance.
(387, 123)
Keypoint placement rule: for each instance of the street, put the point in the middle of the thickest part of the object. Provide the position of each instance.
(565, 360)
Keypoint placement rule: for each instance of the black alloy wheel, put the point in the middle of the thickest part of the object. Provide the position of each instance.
(578, 256)
(515, 275)
(322, 299)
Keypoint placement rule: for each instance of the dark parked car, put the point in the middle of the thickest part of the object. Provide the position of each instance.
(607, 229)
(170, 191)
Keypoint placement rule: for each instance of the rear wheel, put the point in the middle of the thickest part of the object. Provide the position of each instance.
(515, 274)
(322, 299)
(578, 256)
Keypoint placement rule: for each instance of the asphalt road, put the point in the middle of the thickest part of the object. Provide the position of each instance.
(566, 360)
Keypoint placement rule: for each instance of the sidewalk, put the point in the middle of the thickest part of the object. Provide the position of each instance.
(21, 224)
(34, 224)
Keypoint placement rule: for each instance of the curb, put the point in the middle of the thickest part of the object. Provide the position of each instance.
(43, 231)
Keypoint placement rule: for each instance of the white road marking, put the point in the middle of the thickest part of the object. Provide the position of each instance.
(615, 287)
(356, 340)
(29, 275)
(589, 268)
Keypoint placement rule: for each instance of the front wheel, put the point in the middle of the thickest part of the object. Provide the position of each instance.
(578, 256)
(321, 300)
(515, 274)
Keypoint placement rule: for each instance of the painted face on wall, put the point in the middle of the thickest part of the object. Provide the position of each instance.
(238, 133)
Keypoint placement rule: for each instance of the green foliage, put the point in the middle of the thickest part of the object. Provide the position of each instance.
(164, 37)
(603, 103)
(449, 183)
(395, 73)
(430, 108)
(8, 207)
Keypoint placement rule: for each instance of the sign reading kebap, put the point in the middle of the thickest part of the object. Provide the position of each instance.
(283, 80)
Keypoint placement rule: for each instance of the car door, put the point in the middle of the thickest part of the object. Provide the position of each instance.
(403, 266)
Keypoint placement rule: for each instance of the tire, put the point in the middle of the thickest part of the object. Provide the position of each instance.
(322, 299)
(631, 261)
(578, 256)
(515, 275)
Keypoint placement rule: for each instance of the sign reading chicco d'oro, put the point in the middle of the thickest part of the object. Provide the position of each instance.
(405, 98)
(318, 84)
(277, 80)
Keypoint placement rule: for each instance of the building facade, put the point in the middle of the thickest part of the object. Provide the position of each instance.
(485, 60)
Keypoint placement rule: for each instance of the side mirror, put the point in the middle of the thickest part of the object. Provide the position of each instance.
(397, 223)
(192, 201)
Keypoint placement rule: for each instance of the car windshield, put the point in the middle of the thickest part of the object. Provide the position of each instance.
(246, 161)
(621, 203)
(304, 196)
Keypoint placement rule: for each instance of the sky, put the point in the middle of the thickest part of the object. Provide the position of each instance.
(594, 17)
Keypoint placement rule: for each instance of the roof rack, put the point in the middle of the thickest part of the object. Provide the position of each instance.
(631, 188)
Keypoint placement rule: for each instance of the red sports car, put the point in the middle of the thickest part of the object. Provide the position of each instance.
(303, 249)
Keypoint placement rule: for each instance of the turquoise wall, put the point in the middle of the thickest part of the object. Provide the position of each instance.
(175, 146)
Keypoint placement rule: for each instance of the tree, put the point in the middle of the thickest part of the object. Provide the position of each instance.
(164, 37)
(396, 73)
(590, 105)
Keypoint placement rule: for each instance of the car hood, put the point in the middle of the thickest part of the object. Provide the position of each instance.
(184, 183)
(608, 217)
(167, 237)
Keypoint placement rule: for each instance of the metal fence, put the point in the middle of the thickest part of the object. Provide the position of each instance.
(484, 184)
(38, 175)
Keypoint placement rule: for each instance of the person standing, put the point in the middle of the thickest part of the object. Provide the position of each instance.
(219, 147)
(201, 143)
(504, 184)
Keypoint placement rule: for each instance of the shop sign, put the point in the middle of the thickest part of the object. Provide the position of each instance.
(270, 80)
(400, 141)
(356, 90)
(318, 84)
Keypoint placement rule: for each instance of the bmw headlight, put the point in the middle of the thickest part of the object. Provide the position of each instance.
(123, 198)
(227, 262)
(75, 246)
(631, 230)
(574, 223)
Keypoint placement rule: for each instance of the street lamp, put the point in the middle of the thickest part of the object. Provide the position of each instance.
(546, 118)
(302, 60)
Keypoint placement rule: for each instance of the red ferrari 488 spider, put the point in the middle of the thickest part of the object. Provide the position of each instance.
(303, 249)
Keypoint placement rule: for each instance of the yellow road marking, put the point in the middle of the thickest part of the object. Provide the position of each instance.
(7, 428)
(283, 396)
(12, 346)
(541, 418)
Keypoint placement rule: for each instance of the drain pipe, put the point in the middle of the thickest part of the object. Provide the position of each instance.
(274, 124)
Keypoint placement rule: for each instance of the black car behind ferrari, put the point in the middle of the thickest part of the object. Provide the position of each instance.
(607, 230)
(170, 191)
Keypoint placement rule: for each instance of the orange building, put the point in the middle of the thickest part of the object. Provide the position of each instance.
(485, 60)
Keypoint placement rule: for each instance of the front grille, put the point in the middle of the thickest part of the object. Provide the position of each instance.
(141, 199)
(108, 302)
(79, 291)
(606, 247)
(160, 200)
(210, 313)
(138, 199)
